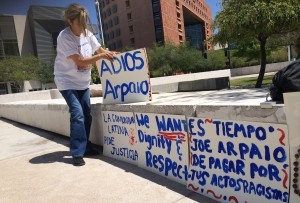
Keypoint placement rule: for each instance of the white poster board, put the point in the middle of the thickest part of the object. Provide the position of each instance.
(119, 136)
(235, 161)
(126, 79)
(163, 145)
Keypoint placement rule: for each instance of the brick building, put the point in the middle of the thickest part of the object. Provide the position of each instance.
(140, 23)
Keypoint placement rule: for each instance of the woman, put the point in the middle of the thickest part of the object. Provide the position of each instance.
(72, 70)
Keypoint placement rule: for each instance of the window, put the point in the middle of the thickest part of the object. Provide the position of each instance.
(155, 6)
(129, 17)
(110, 23)
(108, 12)
(112, 35)
(54, 39)
(179, 26)
(102, 4)
(132, 41)
(10, 47)
(131, 28)
(118, 32)
(114, 9)
(127, 3)
(113, 46)
(107, 37)
(119, 44)
(116, 20)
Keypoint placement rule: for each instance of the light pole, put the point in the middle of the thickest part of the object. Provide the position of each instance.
(97, 5)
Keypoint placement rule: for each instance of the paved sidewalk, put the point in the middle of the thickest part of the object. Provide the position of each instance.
(35, 166)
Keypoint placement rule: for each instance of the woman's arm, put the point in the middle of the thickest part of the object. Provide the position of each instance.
(85, 62)
(101, 50)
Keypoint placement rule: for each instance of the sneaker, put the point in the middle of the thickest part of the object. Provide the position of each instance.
(91, 152)
(78, 161)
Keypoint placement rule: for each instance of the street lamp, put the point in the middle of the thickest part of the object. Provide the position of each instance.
(97, 5)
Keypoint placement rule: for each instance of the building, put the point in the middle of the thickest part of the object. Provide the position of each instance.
(34, 34)
(136, 23)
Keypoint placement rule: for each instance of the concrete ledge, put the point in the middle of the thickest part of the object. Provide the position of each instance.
(204, 84)
(53, 115)
(50, 115)
(38, 95)
(190, 77)
(195, 85)
(273, 67)
(28, 96)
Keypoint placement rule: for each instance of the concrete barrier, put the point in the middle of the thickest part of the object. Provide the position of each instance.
(212, 80)
(37, 95)
(53, 114)
(273, 67)
(29, 96)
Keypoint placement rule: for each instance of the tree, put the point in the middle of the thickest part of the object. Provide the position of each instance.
(95, 74)
(250, 50)
(18, 69)
(246, 20)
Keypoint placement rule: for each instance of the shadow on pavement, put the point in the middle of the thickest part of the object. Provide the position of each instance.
(54, 137)
(64, 157)
(171, 185)
(61, 156)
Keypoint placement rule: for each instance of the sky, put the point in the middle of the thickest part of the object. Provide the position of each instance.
(20, 7)
(215, 6)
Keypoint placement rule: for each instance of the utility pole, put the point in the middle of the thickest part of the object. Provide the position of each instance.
(97, 5)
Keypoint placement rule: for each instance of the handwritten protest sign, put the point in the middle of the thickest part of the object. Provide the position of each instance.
(163, 145)
(239, 161)
(119, 136)
(126, 79)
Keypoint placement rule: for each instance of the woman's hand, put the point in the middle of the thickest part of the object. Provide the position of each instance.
(107, 54)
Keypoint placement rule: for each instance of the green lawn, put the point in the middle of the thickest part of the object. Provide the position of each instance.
(250, 81)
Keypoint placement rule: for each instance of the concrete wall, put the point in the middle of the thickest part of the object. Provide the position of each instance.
(274, 67)
(38, 95)
(30, 85)
(53, 115)
(190, 77)
(28, 96)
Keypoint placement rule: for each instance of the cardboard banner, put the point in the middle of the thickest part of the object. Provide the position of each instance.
(239, 161)
(127, 79)
(163, 145)
(119, 136)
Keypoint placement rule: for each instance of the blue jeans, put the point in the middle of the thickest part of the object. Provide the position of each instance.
(80, 119)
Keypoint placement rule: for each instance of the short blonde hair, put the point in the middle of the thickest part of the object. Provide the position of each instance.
(77, 11)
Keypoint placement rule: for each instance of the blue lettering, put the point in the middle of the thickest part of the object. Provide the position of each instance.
(138, 59)
(201, 131)
(143, 121)
(104, 67)
(109, 90)
(277, 151)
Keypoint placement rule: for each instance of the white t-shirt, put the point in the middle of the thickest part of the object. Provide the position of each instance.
(67, 75)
